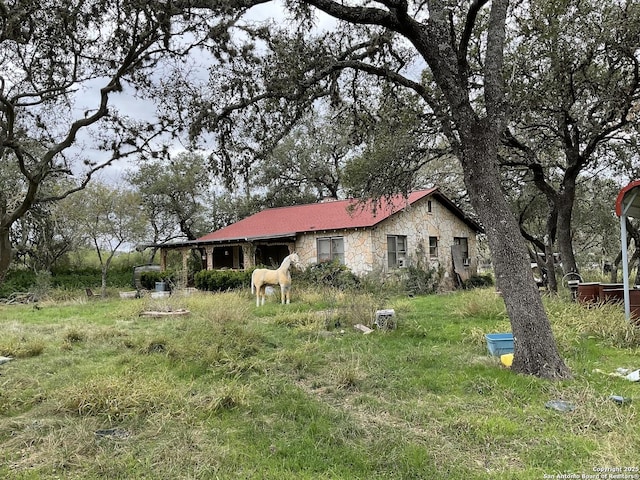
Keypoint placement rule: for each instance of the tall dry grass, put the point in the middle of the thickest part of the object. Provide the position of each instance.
(570, 321)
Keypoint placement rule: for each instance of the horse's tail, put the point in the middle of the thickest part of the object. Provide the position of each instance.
(253, 286)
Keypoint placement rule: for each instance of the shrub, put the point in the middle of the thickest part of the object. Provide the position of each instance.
(80, 278)
(332, 274)
(221, 280)
(421, 281)
(62, 279)
(479, 281)
(17, 281)
(149, 279)
(89, 277)
(380, 283)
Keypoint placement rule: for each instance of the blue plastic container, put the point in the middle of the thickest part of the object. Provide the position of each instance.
(499, 343)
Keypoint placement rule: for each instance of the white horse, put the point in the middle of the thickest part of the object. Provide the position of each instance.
(261, 277)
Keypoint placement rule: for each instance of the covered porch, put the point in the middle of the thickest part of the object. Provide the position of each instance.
(234, 255)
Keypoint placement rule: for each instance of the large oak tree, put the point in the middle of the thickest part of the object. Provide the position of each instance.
(574, 86)
(462, 86)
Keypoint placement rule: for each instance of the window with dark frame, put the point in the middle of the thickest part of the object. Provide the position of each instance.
(464, 243)
(396, 251)
(433, 247)
(330, 248)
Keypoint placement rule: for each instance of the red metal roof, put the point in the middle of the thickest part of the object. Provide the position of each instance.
(325, 216)
(628, 201)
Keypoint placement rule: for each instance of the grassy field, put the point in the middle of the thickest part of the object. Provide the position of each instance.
(96, 390)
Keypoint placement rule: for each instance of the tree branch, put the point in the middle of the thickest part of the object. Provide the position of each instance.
(360, 15)
(470, 22)
(494, 89)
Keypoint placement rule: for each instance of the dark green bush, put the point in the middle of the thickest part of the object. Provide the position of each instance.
(66, 278)
(148, 280)
(221, 280)
(89, 277)
(332, 274)
(479, 281)
(17, 281)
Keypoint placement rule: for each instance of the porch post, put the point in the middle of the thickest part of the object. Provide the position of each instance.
(249, 252)
(185, 258)
(236, 257)
(625, 265)
(209, 253)
(163, 259)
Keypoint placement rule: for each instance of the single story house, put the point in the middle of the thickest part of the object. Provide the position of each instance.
(425, 227)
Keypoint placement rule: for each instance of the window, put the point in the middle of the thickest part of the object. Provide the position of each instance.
(429, 206)
(330, 248)
(433, 246)
(464, 248)
(396, 251)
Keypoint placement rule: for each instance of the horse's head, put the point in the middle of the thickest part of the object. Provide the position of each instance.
(295, 260)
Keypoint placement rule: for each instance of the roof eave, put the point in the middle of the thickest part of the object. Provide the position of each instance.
(628, 200)
(458, 211)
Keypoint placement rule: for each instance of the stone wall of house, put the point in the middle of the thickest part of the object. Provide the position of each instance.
(418, 224)
(306, 249)
(358, 249)
(366, 250)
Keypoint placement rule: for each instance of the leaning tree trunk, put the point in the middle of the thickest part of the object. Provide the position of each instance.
(614, 268)
(103, 281)
(550, 264)
(549, 259)
(566, 200)
(5, 253)
(535, 350)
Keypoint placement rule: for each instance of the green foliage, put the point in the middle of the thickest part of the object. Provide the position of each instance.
(222, 280)
(303, 153)
(174, 193)
(394, 152)
(82, 278)
(83, 258)
(62, 279)
(332, 274)
(149, 279)
(414, 279)
(17, 281)
(89, 278)
(421, 281)
(380, 283)
(479, 281)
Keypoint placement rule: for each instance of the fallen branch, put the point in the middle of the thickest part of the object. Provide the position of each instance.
(153, 313)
